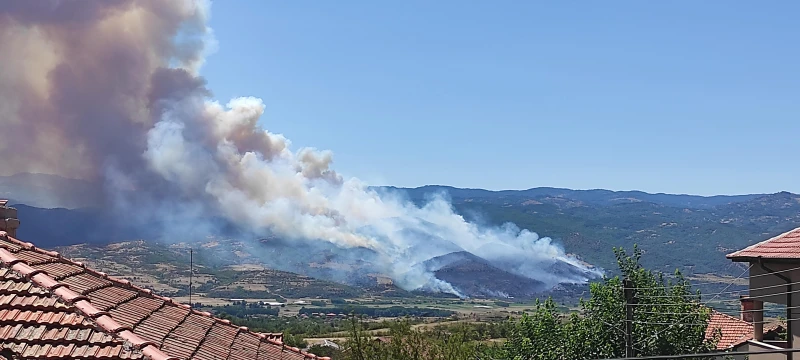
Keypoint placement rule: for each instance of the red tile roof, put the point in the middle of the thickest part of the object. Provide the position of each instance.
(52, 307)
(776, 326)
(273, 336)
(733, 330)
(783, 246)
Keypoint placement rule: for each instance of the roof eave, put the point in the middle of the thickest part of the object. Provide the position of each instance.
(754, 259)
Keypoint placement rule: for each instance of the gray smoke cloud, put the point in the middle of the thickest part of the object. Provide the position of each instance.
(108, 90)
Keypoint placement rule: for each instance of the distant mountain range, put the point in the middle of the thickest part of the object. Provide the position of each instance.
(687, 232)
(599, 197)
(50, 191)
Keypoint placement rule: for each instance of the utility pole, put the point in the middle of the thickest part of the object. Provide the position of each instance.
(629, 293)
(191, 272)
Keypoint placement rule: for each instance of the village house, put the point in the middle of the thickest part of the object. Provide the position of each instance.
(736, 333)
(774, 267)
(52, 307)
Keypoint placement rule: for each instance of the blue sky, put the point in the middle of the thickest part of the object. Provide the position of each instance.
(699, 97)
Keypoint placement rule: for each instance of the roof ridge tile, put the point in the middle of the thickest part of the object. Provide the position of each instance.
(134, 339)
(45, 281)
(23, 269)
(68, 295)
(87, 308)
(729, 316)
(107, 322)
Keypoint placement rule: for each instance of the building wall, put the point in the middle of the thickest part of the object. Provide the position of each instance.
(754, 346)
(776, 291)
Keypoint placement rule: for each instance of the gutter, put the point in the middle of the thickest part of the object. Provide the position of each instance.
(789, 319)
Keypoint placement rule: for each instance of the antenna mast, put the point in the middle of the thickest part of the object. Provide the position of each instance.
(191, 272)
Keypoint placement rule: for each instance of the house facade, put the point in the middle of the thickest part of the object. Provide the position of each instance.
(774, 267)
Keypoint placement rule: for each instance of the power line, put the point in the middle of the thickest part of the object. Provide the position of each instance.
(669, 323)
(712, 299)
(706, 324)
(670, 304)
(692, 313)
(707, 355)
(717, 295)
(687, 282)
(706, 303)
(730, 292)
(770, 295)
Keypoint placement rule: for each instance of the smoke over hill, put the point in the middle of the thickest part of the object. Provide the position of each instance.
(109, 91)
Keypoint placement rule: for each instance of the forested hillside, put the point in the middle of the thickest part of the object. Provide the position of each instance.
(692, 233)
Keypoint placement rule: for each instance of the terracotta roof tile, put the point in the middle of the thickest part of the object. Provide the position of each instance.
(136, 310)
(84, 283)
(217, 343)
(157, 326)
(274, 353)
(774, 326)
(245, 346)
(108, 297)
(186, 338)
(12, 246)
(733, 330)
(60, 270)
(783, 246)
(18, 286)
(274, 337)
(32, 257)
(87, 314)
(40, 325)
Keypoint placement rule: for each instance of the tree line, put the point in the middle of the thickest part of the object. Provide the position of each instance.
(669, 320)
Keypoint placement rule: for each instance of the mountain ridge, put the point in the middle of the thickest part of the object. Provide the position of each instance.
(597, 196)
(686, 232)
(54, 191)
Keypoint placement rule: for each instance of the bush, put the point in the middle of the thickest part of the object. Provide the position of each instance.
(323, 351)
(294, 340)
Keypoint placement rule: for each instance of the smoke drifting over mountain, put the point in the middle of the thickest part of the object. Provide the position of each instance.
(108, 90)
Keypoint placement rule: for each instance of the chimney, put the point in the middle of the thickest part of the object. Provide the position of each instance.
(753, 312)
(747, 308)
(8, 219)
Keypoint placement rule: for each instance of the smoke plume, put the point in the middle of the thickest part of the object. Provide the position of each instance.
(109, 91)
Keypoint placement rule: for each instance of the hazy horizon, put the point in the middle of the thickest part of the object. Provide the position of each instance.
(506, 189)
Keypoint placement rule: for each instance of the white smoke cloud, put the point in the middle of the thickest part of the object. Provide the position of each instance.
(252, 176)
(109, 90)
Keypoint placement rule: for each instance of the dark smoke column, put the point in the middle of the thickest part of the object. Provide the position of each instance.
(81, 80)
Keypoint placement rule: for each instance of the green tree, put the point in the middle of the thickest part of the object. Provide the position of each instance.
(359, 344)
(294, 340)
(406, 343)
(329, 351)
(668, 320)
